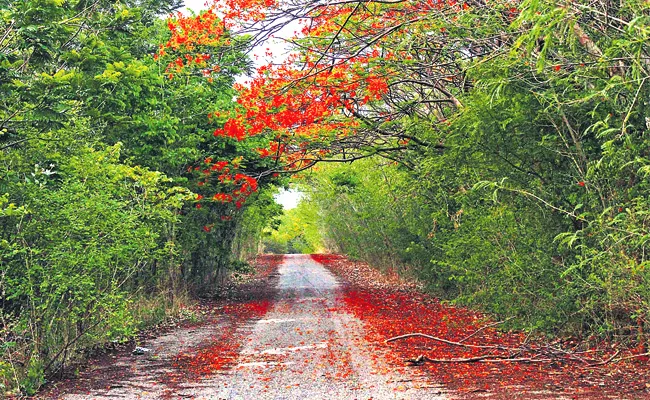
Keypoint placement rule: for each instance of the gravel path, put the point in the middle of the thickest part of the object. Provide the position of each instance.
(305, 347)
(308, 348)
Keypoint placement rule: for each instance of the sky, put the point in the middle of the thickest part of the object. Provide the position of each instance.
(289, 198)
(276, 47)
(196, 5)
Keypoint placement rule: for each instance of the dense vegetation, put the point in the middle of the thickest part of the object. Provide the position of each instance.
(297, 231)
(531, 197)
(102, 224)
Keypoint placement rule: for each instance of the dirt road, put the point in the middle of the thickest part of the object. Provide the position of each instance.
(306, 346)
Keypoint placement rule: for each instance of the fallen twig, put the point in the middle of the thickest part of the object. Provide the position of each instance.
(540, 354)
(605, 361)
(475, 346)
(612, 360)
(486, 358)
(484, 328)
(634, 356)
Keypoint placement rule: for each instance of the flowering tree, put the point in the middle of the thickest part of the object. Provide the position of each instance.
(358, 76)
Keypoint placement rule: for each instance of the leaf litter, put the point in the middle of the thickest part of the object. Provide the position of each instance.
(470, 354)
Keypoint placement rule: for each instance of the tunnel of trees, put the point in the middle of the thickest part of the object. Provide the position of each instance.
(497, 151)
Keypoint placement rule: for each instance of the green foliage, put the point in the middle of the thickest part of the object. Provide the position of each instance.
(99, 231)
(537, 205)
(257, 220)
(298, 231)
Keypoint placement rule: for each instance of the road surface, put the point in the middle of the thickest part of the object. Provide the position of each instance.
(305, 347)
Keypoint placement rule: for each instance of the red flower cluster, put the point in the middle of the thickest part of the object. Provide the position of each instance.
(238, 185)
(190, 32)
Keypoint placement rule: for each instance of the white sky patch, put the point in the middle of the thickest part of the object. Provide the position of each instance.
(274, 51)
(194, 5)
(289, 198)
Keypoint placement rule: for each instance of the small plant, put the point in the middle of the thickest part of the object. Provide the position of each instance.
(34, 377)
(242, 267)
(189, 315)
